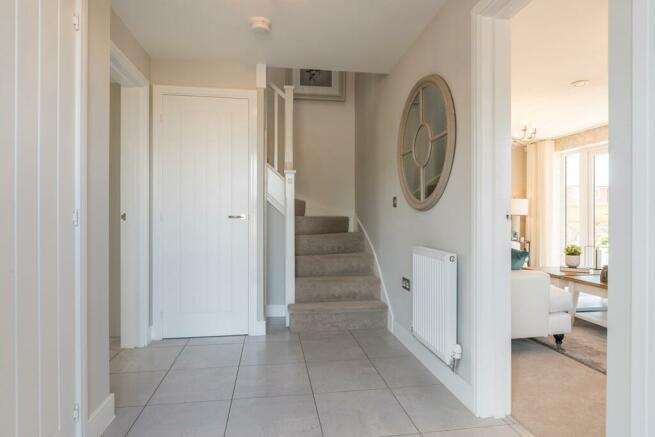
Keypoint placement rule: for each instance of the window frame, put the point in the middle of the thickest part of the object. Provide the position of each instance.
(587, 199)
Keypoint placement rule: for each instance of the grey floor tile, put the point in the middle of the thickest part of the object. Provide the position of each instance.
(197, 419)
(144, 360)
(204, 341)
(492, 431)
(135, 388)
(192, 385)
(275, 352)
(169, 342)
(304, 336)
(370, 332)
(331, 376)
(272, 380)
(380, 346)
(113, 353)
(434, 408)
(362, 413)
(338, 348)
(121, 424)
(278, 335)
(273, 417)
(221, 355)
(405, 371)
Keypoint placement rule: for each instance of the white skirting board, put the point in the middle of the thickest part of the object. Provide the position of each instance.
(453, 382)
(275, 311)
(100, 419)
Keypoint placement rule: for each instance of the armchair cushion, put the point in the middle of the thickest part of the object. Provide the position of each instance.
(560, 300)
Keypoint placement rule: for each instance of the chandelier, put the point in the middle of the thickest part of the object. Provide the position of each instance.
(528, 135)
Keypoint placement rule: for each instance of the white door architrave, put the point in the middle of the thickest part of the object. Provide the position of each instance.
(135, 200)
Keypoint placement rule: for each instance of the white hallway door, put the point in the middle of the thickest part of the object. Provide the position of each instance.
(203, 190)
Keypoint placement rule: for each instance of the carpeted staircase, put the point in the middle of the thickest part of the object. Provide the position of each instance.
(335, 286)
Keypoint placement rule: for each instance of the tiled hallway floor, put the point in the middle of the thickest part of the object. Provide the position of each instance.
(358, 383)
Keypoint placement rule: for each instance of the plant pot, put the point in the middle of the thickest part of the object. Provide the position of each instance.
(572, 261)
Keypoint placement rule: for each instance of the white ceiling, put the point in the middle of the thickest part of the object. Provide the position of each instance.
(350, 35)
(555, 42)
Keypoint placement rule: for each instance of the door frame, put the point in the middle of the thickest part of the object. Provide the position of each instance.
(135, 131)
(631, 347)
(255, 202)
(491, 198)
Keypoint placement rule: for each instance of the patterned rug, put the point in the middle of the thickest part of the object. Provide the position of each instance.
(587, 344)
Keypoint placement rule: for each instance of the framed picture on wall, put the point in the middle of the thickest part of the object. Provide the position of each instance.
(317, 84)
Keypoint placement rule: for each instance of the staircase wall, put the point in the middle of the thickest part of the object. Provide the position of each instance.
(275, 284)
(324, 153)
(444, 48)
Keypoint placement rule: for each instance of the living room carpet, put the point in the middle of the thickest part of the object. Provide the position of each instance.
(587, 344)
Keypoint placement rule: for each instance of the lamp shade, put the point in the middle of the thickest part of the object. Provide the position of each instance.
(519, 207)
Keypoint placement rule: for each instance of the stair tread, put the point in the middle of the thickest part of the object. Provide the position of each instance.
(337, 306)
(337, 278)
(332, 235)
(338, 255)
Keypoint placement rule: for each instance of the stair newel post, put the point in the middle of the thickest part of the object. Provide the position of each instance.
(290, 201)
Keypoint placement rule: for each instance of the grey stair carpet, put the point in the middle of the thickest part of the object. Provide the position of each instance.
(335, 286)
(321, 225)
(322, 244)
(299, 207)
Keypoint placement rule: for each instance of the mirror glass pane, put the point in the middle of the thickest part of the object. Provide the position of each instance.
(413, 122)
(434, 109)
(435, 165)
(422, 146)
(412, 176)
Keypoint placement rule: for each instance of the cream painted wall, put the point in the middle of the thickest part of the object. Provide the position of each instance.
(202, 74)
(124, 40)
(324, 153)
(115, 210)
(98, 203)
(444, 48)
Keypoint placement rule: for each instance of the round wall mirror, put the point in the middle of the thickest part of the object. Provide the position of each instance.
(426, 142)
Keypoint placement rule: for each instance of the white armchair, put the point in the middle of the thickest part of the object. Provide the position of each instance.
(539, 309)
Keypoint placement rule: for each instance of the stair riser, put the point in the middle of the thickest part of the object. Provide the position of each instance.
(299, 206)
(337, 321)
(337, 266)
(321, 225)
(322, 291)
(322, 245)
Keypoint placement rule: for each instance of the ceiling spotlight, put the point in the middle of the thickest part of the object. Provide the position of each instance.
(260, 24)
(579, 83)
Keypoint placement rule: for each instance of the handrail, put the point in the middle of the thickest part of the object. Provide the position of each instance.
(277, 90)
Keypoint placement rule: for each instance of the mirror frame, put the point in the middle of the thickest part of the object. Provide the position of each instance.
(451, 140)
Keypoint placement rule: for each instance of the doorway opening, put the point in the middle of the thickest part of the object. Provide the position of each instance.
(129, 205)
(560, 216)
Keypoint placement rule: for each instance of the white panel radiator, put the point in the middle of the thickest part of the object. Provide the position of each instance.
(434, 302)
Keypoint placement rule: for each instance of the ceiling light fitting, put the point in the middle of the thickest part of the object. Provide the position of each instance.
(579, 83)
(528, 136)
(260, 24)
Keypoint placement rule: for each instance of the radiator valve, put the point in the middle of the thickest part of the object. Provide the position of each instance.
(455, 357)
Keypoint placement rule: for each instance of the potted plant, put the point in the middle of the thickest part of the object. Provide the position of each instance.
(572, 252)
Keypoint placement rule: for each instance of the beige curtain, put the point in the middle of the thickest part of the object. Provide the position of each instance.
(544, 197)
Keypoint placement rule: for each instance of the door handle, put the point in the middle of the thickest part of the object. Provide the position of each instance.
(238, 217)
(124, 217)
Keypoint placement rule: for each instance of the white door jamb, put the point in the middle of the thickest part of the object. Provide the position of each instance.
(135, 200)
(491, 182)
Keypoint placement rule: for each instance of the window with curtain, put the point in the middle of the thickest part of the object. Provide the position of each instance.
(586, 202)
